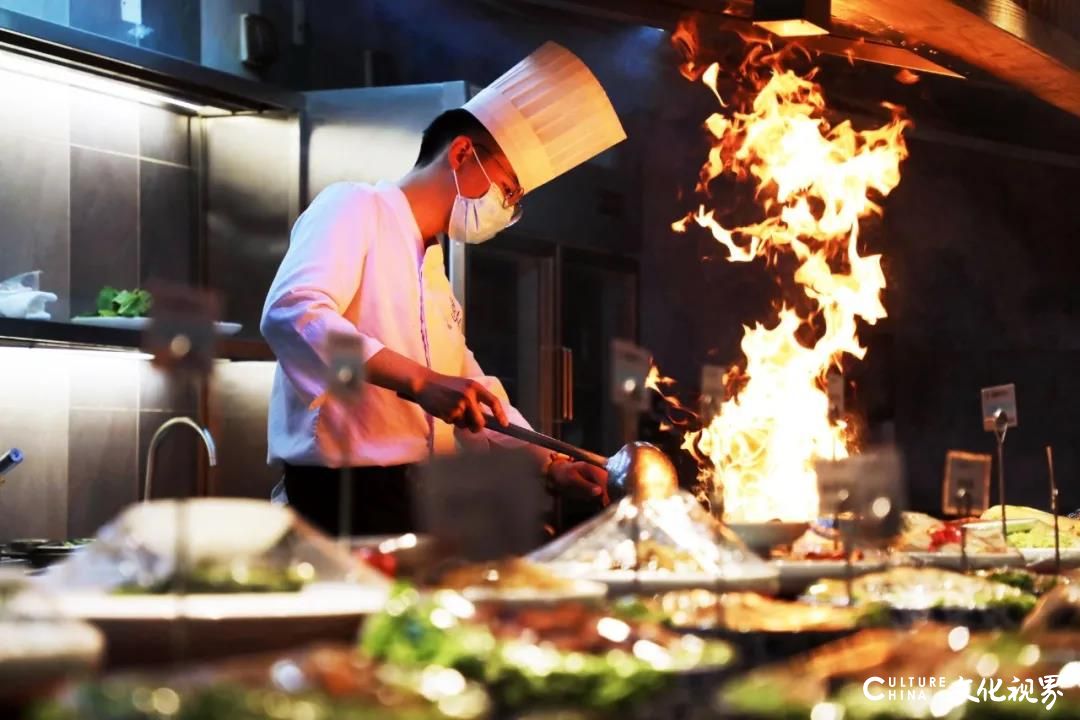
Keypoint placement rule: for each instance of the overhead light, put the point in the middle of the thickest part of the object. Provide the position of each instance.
(794, 18)
(53, 72)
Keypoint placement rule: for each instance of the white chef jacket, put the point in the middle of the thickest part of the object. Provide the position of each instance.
(357, 265)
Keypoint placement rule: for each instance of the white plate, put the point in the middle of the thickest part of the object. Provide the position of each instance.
(315, 600)
(976, 561)
(797, 575)
(217, 527)
(141, 323)
(580, 590)
(1070, 555)
(764, 579)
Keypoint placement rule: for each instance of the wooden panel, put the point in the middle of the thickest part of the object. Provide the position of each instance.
(976, 39)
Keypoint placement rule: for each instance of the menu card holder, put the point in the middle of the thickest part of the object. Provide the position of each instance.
(865, 495)
(965, 491)
(999, 414)
(484, 505)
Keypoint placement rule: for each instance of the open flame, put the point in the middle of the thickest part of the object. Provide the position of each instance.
(814, 182)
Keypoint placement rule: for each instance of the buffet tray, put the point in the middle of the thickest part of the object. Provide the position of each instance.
(954, 561)
(156, 629)
(650, 582)
(797, 575)
(576, 591)
(320, 600)
(1070, 557)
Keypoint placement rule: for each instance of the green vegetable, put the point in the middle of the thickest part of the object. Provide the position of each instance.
(225, 578)
(633, 608)
(1042, 536)
(421, 632)
(123, 303)
(764, 696)
(117, 701)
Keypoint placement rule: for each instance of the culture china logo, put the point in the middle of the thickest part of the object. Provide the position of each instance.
(943, 694)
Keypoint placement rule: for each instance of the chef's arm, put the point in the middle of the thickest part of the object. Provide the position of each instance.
(564, 477)
(456, 400)
(474, 372)
(317, 279)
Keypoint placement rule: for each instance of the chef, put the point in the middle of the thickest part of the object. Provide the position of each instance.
(365, 261)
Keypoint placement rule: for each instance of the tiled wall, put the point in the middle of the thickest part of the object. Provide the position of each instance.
(94, 190)
(84, 420)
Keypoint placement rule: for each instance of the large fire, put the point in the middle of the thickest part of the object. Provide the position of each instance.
(814, 182)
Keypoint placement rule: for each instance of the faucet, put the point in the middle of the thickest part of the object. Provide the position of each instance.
(151, 454)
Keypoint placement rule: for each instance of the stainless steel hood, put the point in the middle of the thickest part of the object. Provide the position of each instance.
(1031, 44)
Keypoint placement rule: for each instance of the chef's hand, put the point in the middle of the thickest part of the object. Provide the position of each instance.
(459, 401)
(579, 480)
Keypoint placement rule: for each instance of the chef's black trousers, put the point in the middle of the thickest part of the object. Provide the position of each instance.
(380, 503)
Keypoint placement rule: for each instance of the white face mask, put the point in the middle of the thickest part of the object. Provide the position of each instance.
(477, 220)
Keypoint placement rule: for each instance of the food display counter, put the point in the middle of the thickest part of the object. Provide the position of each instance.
(216, 609)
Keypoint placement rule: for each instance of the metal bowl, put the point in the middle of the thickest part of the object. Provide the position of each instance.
(761, 537)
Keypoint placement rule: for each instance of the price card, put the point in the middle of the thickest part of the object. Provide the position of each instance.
(712, 383)
(345, 367)
(870, 486)
(181, 334)
(835, 389)
(484, 505)
(630, 366)
(967, 475)
(836, 485)
(1003, 398)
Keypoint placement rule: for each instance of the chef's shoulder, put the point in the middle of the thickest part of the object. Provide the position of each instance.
(343, 199)
(340, 205)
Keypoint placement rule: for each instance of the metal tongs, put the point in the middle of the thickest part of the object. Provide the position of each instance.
(623, 467)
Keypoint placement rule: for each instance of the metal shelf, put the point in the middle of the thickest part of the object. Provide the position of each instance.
(41, 333)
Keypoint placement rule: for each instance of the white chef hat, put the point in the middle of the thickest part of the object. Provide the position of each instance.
(549, 114)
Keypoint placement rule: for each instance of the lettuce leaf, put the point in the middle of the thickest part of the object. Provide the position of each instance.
(123, 303)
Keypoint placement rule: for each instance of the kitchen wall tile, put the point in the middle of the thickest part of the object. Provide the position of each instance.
(157, 393)
(33, 107)
(251, 185)
(104, 225)
(101, 467)
(166, 227)
(33, 499)
(104, 381)
(179, 456)
(238, 405)
(33, 378)
(33, 418)
(164, 135)
(34, 208)
(104, 122)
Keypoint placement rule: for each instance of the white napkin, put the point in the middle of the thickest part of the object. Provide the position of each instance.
(21, 298)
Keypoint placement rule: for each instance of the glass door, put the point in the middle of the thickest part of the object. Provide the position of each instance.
(509, 320)
(598, 304)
